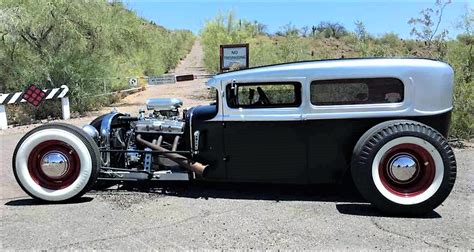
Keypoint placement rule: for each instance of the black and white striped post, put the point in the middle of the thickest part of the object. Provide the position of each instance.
(50, 94)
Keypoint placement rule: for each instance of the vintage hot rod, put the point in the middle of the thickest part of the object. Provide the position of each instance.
(383, 121)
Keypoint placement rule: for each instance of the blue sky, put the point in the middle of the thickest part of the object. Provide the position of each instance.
(378, 16)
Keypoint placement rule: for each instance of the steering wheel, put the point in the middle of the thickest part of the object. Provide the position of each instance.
(262, 96)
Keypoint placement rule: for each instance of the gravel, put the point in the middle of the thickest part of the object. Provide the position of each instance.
(235, 216)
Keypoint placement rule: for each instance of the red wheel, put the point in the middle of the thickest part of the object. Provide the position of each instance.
(407, 170)
(54, 164)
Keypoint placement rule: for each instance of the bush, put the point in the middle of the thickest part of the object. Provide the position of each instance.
(460, 57)
(91, 46)
(220, 31)
(263, 49)
(324, 44)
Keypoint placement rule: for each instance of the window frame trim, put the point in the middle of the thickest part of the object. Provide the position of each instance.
(298, 94)
(355, 105)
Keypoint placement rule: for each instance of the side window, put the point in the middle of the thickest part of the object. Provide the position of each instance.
(264, 95)
(356, 91)
(213, 95)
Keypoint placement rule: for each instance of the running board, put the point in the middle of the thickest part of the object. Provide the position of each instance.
(121, 174)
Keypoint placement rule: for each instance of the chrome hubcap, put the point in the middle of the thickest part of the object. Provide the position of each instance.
(403, 168)
(54, 164)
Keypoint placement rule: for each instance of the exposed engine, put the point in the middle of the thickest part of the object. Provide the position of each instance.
(158, 125)
(162, 127)
(133, 143)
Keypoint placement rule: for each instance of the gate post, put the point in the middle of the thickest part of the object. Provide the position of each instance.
(3, 118)
(65, 108)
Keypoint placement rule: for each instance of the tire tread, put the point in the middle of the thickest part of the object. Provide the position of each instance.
(372, 140)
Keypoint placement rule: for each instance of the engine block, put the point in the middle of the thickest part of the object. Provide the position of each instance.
(159, 126)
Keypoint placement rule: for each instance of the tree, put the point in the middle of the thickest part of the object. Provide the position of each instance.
(360, 30)
(304, 31)
(426, 27)
(81, 44)
(330, 29)
(288, 30)
(260, 28)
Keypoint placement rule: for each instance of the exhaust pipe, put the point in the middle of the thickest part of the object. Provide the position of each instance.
(195, 167)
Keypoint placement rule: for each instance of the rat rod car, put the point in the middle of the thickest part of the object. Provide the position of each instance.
(382, 121)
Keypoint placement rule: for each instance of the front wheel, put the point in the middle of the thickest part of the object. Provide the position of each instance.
(56, 162)
(403, 167)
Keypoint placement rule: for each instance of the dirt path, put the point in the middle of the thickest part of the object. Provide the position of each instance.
(191, 92)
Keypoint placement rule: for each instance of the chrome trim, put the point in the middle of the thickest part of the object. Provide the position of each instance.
(191, 131)
(163, 103)
(54, 164)
(233, 86)
(403, 168)
(196, 141)
(105, 130)
(91, 131)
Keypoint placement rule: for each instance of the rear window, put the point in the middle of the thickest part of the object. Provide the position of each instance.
(264, 95)
(356, 91)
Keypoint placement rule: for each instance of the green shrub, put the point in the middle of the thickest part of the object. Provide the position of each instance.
(263, 50)
(289, 47)
(91, 46)
(460, 57)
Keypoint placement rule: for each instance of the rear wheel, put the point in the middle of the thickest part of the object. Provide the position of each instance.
(56, 162)
(403, 167)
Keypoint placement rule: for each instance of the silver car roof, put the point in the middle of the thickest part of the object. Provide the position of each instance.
(428, 86)
(297, 68)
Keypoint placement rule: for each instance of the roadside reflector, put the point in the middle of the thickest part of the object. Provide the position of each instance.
(34, 95)
(187, 77)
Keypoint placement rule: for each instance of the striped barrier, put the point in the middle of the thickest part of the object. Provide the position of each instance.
(49, 94)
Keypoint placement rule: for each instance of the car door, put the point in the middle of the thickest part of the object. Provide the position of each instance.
(262, 130)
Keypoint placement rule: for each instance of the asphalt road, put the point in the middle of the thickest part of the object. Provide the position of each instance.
(220, 216)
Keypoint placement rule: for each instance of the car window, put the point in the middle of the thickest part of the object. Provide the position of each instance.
(356, 91)
(264, 95)
(213, 95)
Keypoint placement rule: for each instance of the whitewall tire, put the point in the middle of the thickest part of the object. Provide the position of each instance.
(56, 162)
(403, 167)
(420, 193)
